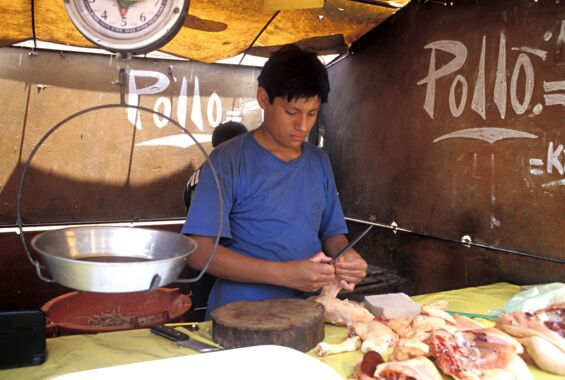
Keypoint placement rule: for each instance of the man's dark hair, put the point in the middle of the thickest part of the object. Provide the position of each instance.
(226, 131)
(294, 73)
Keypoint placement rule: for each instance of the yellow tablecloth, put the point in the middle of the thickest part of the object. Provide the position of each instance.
(81, 352)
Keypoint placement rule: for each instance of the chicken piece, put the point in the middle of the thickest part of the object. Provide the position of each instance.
(375, 335)
(439, 304)
(548, 323)
(332, 289)
(418, 369)
(466, 323)
(365, 369)
(348, 345)
(516, 370)
(407, 349)
(343, 312)
(434, 310)
(422, 326)
(419, 327)
(519, 369)
(420, 335)
(426, 323)
(545, 355)
(474, 354)
(401, 326)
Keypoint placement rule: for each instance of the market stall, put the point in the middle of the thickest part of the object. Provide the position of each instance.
(85, 352)
(444, 142)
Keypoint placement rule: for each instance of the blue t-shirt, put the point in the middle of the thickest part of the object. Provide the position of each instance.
(273, 210)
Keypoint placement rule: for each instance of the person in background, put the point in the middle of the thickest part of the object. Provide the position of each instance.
(201, 289)
(282, 218)
(222, 133)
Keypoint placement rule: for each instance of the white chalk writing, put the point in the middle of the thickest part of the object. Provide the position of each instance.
(522, 73)
(160, 83)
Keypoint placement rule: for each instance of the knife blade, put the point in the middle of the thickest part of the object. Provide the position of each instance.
(183, 339)
(353, 242)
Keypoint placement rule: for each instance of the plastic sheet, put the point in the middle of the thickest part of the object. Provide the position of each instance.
(536, 298)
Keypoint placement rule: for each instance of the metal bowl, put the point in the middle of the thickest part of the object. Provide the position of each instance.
(113, 259)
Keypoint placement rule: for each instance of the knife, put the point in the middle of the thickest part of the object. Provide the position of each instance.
(353, 242)
(183, 339)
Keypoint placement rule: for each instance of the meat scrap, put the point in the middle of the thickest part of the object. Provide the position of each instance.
(343, 312)
(431, 341)
(375, 335)
(369, 336)
(542, 333)
(545, 355)
(548, 323)
(365, 369)
(432, 317)
(407, 349)
(477, 354)
(348, 345)
(413, 369)
(332, 289)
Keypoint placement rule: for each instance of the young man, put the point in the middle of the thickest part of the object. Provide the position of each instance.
(281, 209)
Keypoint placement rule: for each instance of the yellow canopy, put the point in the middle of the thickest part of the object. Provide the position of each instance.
(218, 29)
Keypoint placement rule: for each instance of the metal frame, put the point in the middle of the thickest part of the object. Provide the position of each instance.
(121, 104)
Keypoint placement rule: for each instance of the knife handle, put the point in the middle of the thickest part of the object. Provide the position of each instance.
(169, 333)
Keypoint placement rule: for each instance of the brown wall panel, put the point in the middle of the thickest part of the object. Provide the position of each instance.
(99, 166)
(431, 264)
(485, 161)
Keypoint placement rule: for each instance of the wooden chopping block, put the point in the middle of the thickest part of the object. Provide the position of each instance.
(294, 323)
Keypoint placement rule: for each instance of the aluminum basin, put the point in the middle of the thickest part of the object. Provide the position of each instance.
(113, 259)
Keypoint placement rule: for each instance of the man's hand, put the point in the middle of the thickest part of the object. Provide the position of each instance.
(350, 269)
(307, 275)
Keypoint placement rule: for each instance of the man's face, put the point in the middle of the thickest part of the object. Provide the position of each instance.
(288, 123)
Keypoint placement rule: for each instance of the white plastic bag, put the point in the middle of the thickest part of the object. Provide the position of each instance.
(536, 298)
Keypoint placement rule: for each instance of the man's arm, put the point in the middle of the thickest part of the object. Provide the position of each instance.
(307, 275)
(352, 268)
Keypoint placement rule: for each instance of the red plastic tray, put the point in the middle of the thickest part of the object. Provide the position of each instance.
(86, 312)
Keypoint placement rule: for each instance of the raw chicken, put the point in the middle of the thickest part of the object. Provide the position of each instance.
(548, 323)
(407, 349)
(417, 369)
(420, 327)
(542, 333)
(435, 310)
(546, 356)
(365, 369)
(466, 323)
(348, 345)
(375, 335)
(475, 354)
(343, 312)
(331, 290)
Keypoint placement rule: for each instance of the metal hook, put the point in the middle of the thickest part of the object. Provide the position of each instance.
(444, 3)
(122, 82)
(466, 240)
(172, 73)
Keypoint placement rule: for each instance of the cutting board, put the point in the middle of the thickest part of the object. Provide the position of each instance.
(294, 323)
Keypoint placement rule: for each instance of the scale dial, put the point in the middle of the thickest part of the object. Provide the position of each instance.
(130, 26)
